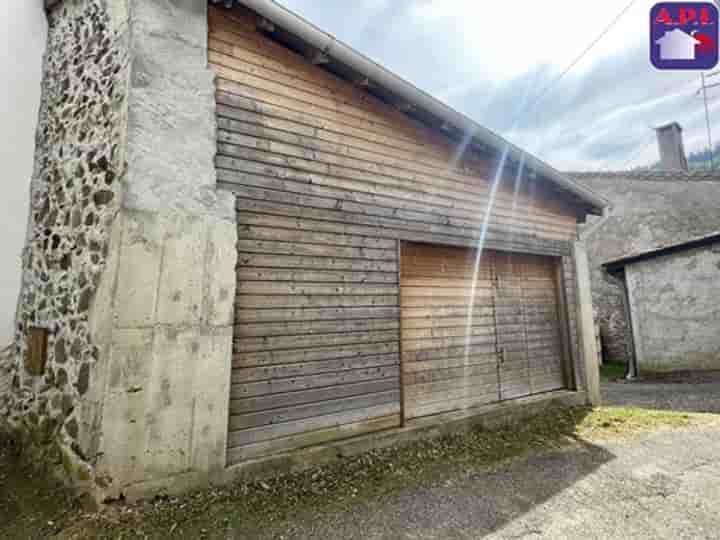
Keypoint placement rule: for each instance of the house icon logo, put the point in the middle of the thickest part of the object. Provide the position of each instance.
(684, 35)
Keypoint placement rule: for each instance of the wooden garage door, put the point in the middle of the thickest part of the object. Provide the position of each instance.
(511, 347)
(528, 327)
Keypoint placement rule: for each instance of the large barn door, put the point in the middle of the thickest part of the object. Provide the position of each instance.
(510, 348)
(448, 363)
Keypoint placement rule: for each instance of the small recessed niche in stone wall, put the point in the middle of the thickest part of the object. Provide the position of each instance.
(37, 351)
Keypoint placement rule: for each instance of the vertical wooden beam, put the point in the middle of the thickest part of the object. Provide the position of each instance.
(498, 351)
(563, 315)
(400, 333)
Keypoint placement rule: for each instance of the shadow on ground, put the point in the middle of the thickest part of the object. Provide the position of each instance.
(473, 505)
(346, 496)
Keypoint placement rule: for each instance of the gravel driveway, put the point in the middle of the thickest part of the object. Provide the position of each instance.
(664, 485)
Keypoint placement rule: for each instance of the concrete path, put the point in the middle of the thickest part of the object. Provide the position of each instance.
(691, 392)
(666, 485)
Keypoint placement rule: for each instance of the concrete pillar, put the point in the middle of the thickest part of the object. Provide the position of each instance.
(171, 287)
(586, 324)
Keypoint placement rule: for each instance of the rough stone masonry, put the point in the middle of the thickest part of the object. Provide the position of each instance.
(130, 256)
(648, 209)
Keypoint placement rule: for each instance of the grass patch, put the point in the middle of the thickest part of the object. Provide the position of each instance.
(611, 372)
(614, 422)
(243, 510)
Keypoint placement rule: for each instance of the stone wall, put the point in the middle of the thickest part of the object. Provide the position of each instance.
(671, 316)
(76, 185)
(6, 370)
(130, 259)
(647, 210)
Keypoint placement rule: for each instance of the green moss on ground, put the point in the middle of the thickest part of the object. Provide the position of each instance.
(611, 372)
(31, 506)
(244, 509)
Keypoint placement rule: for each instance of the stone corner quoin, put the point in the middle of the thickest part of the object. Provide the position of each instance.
(130, 254)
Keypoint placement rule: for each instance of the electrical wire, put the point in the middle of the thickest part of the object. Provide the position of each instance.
(584, 53)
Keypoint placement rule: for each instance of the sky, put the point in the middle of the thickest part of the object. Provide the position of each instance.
(484, 57)
(22, 35)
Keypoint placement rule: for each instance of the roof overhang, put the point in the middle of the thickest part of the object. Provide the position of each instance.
(618, 266)
(450, 120)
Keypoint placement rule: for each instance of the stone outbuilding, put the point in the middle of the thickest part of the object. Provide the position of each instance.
(252, 249)
(674, 299)
(646, 209)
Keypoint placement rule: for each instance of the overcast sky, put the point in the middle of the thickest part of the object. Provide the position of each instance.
(482, 57)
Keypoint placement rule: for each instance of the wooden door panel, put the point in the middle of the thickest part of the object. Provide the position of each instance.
(448, 362)
(510, 349)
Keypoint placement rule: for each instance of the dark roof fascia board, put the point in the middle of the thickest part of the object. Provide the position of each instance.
(652, 175)
(618, 266)
(344, 54)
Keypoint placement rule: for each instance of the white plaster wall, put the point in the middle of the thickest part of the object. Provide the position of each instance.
(23, 32)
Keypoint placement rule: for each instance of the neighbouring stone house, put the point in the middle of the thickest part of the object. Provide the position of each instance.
(252, 249)
(646, 210)
(674, 304)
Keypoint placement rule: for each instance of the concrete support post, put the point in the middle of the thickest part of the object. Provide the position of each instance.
(586, 324)
(171, 279)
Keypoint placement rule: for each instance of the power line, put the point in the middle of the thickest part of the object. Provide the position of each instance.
(532, 105)
(707, 120)
(582, 55)
(704, 87)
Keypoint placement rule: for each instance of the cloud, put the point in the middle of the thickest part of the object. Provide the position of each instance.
(481, 58)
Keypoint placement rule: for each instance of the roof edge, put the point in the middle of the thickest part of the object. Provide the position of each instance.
(618, 265)
(330, 46)
(651, 175)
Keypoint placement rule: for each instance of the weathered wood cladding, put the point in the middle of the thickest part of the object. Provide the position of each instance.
(507, 346)
(292, 134)
(329, 180)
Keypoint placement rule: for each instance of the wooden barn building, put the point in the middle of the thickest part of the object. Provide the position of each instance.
(269, 250)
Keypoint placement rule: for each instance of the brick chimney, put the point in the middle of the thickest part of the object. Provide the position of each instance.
(672, 151)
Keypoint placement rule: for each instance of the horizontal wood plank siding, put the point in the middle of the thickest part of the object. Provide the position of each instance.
(300, 142)
(329, 180)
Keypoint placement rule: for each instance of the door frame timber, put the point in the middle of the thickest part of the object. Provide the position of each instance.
(565, 332)
(400, 244)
